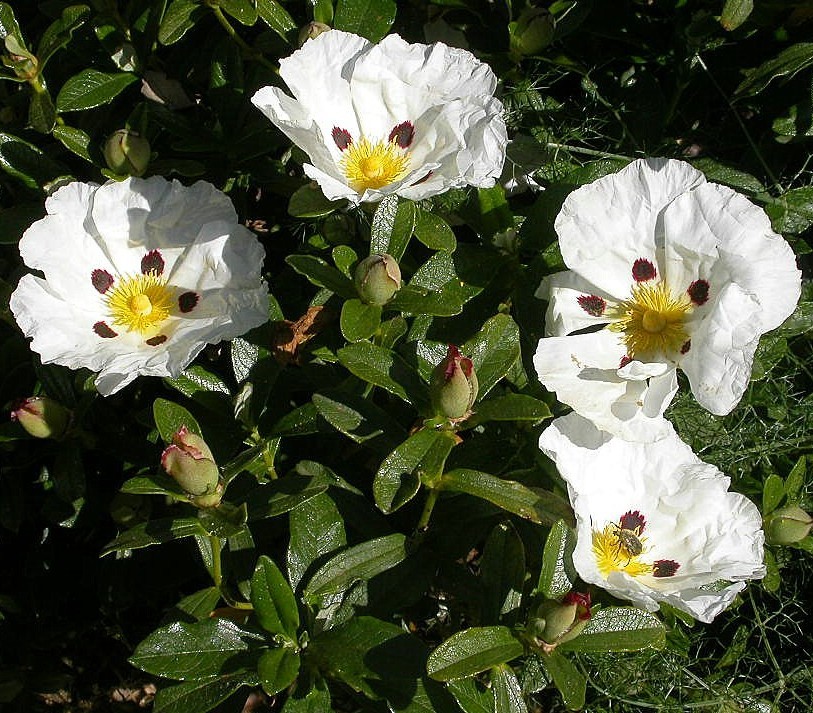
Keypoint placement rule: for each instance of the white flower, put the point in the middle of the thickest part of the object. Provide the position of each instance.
(654, 523)
(680, 272)
(410, 119)
(139, 277)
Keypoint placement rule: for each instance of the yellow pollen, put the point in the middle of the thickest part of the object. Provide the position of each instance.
(369, 165)
(140, 303)
(612, 556)
(652, 321)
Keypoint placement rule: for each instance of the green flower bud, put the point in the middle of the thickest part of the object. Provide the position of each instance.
(787, 525)
(42, 417)
(24, 64)
(311, 31)
(377, 279)
(532, 32)
(190, 462)
(453, 385)
(127, 153)
(557, 622)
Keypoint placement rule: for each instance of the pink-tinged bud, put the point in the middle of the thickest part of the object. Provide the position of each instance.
(42, 417)
(127, 153)
(311, 31)
(453, 385)
(377, 279)
(787, 525)
(189, 461)
(557, 622)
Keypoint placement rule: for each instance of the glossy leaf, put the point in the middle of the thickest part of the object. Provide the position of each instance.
(273, 600)
(309, 202)
(568, 679)
(241, 10)
(511, 407)
(41, 112)
(358, 320)
(434, 232)
(558, 573)
(619, 629)
(179, 18)
(75, 140)
(359, 419)
(27, 163)
(787, 63)
(735, 12)
(493, 350)
(369, 18)
(155, 532)
(502, 571)
(201, 695)
(383, 368)
(320, 273)
(276, 17)
(91, 88)
(170, 417)
(471, 651)
(282, 495)
(278, 669)
(59, 33)
(773, 490)
(507, 691)
(471, 695)
(155, 484)
(317, 530)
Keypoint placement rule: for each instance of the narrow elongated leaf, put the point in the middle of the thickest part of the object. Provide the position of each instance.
(196, 379)
(558, 574)
(471, 651)
(358, 418)
(273, 600)
(156, 484)
(507, 691)
(27, 163)
(568, 679)
(317, 530)
(200, 696)
(278, 669)
(276, 17)
(170, 417)
(91, 88)
(787, 63)
(471, 695)
(179, 18)
(511, 407)
(59, 32)
(74, 140)
(772, 493)
(360, 562)
(321, 274)
(619, 629)
(155, 532)
(502, 570)
(369, 18)
(185, 651)
(241, 10)
(383, 368)
(282, 495)
(493, 351)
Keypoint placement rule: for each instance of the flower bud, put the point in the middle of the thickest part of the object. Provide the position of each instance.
(787, 525)
(453, 385)
(311, 31)
(127, 153)
(189, 461)
(377, 279)
(42, 417)
(557, 622)
(532, 32)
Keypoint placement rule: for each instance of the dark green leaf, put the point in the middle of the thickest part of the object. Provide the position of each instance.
(241, 10)
(493, 351)
(471, 651)
(568, 679)
(15, 220)
(795, 482)
(225, 521)
(170, 417)
(735, 12)
(315, 700)
(179, 18)
(799, 322)
(74, 140)
(507, 691)
(446, 302)
(8, 23)
(472, 696)
(356, 563)
(200, 604)
(360, 419)
(309, 202)
(273, 600)
(199, 696)
(302, 421)
(358, 320)
(434, 232)
(317, 530)
(383, 368)
(421, 457)
(792, 212)
(91, 88)
(772, 493)
(558, 574)
(155, 532)
(196, 379)
(502, 570)
(282, 495)
(511, 407)
(720, 173)
(59, 32)
(27, 163)
(276, 17)
(41, 112)
(787, 63)
(619, 629)
(157, 484)
(392, 227)
(278, 669)
(323, 275)
(369, 18)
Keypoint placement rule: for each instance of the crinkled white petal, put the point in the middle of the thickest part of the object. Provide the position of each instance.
(691, 518)
(564, 314)
(112, 228)
(585, 372)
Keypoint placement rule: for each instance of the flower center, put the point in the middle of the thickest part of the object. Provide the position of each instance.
(619, 550)
(652, 321)
(140, 303)
(369, 165)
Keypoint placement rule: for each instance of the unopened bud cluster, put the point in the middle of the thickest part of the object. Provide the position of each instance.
(453, 385)
(189, 461)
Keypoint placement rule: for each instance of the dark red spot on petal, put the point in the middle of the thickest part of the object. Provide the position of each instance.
(699, 292)
(422, 180)
(684, 349)
(592, 304)
(643, 270)
(152, 262)
(624, 361)
(104, 331)
(633, 520)
(664, 568)
(403, 134)
(156, 340)
(188, 301)
(341, 138)
(101, 280)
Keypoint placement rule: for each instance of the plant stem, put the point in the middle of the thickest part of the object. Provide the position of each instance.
(429, 505)
(217, 569)
(587, 152)
(241, 43)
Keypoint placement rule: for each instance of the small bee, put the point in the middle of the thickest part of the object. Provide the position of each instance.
(628, 541)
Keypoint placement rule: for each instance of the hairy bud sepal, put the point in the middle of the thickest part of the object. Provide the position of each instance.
(377, 279)
(190, 462)
(453, 385)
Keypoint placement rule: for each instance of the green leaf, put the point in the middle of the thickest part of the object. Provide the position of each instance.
(74, 140)
(735, 12)
(434, 232)
(8, 23)
(273, 600)
(369, 18)
(59, 32)
(356, 563)
(170, 417)
(227, 520)
(540, 507)
(278, 669)
(493, 351)
(792, 212)
(27, 163)
(358, 320)
(471, 651)
(471, 695)
(241, 10)
(446, 302)
(41, 111)
(359, 419)
(317, 530)
(315, 700)
(157, 484)
(795, 482)
(502, 571)
(419, 458)
(155, 532)
(392, 226)
(196, 379)
(322, 274)
(799, 322)
(200, 604)
(322, 11)
(199, 696)
(309, 202)
(277, 18)
(772, 493)
(619, 629)
(787, 63)
(179, 18)
(383, 368)
(558, 574)
(282, 495)
(507, 691)
(188, 651)
(15, 220)
(720, 173)
(91, 88)
(511, 407)
(568, 679)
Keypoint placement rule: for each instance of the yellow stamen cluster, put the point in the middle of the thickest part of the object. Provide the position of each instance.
(374, 165)
(140, 303)
(652, 321)
(612, 556)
